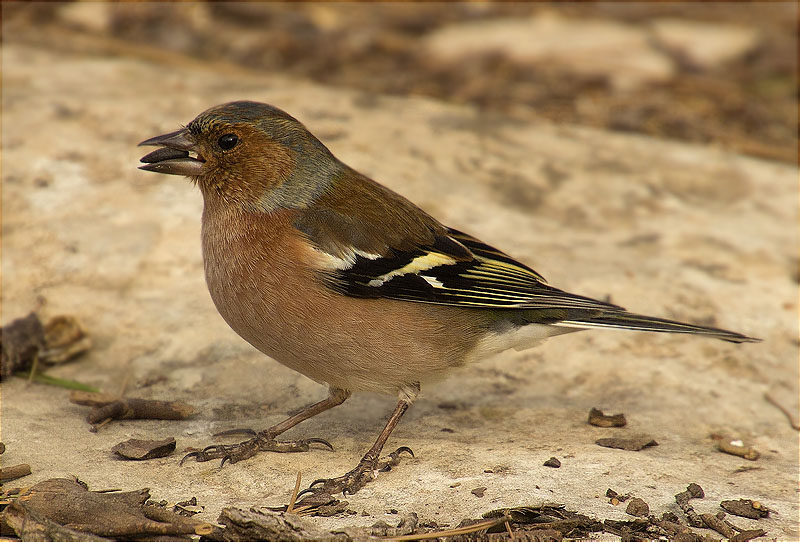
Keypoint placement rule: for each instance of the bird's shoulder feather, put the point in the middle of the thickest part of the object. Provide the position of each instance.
(356, 214)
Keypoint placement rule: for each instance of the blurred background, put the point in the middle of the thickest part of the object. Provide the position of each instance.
(720, 73)
(513, 133)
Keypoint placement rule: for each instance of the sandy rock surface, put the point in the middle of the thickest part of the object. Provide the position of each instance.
(669, 229)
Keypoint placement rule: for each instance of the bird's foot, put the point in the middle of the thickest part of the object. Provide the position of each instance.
(320, 491)
(260, 442)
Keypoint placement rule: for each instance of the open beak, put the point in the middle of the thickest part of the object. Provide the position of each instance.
(173, 157)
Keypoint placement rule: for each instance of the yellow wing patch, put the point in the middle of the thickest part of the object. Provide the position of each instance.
(418, 264)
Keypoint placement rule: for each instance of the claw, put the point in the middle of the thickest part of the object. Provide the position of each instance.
(402, 449)
(353, 481)
(226, 459)
(306, 490)
(187, 456)
(320, 441)
(317, 481)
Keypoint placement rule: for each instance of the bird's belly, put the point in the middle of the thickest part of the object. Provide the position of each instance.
(356, 344)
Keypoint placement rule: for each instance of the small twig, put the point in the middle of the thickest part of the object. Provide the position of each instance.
(298, 509)
(719, 525)
(110, 406)
(97, 426)
(163, 515)
(789, 416)
(510, 532)
(14, 472)
(693, 491)
(732, 526)
(488, 524)
(736, 447)
(293, 500)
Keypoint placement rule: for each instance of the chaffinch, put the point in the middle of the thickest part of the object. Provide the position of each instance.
(347, 282)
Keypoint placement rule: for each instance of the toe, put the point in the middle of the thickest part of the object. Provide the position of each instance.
(320, 441)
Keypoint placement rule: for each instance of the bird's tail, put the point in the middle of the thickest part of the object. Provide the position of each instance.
(639, 322)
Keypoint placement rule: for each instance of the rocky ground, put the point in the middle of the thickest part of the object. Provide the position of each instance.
(690, 230)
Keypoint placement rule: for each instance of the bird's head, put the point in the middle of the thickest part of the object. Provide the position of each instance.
(248, 154)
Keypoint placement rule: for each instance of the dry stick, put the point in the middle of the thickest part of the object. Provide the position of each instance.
(488, 524)
(111, 406)
(693, 491)
(737, 448)
(771, 400)
(103, 423)
(713, 522)
(293, 500)
(304, 510)
(510, 532)
(732, 526)
(156, 513)
(16, 471)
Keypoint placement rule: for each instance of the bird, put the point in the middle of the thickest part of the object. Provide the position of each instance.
(340, 278)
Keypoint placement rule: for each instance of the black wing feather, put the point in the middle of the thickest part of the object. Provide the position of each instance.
(457, 270)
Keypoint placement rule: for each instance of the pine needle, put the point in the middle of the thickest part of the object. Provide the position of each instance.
(293, 500)
(60, 382)
(488, 524)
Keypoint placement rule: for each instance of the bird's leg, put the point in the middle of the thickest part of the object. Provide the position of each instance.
(264, 441)
(367, 468)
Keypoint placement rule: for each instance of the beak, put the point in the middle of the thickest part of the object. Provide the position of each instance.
(173, 156)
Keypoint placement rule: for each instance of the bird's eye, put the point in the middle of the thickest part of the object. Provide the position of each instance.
(227, 141)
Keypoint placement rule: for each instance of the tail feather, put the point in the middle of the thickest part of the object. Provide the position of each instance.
(639, 322)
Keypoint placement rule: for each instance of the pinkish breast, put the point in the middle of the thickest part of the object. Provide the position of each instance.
(259, 272)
